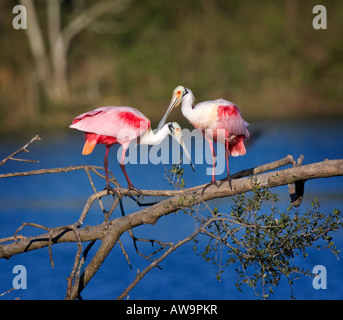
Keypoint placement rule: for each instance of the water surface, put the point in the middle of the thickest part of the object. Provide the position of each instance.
(58, 199)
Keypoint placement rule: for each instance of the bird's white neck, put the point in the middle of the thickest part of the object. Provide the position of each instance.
(152, 138)
(187, 107)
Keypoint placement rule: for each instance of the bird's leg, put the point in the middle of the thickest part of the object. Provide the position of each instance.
(227, 154)
(130, 185)
(108, 187)
(106, 169)
(213, 180)
(214, 159)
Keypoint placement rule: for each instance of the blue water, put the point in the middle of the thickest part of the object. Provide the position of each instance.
(58, 199)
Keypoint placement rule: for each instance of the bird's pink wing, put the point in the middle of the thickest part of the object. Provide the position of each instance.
(230, 119)
(89, 114)
(123, 123)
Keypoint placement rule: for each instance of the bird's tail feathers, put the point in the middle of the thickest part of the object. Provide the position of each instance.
(89, 146)
(238, 149)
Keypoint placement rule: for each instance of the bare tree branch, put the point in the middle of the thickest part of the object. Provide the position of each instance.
(110, 231)
(264, 167)
(53, 170)
(178, 199)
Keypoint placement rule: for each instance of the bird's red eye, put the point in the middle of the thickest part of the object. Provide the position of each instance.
(178, 93)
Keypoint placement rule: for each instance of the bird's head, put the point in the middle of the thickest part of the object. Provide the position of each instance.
(176, 133)
(175, 128)
(178, 95)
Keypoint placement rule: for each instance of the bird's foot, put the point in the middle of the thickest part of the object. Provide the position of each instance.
(228, 179)
(112, 190)
(132, 188)
(213, 182)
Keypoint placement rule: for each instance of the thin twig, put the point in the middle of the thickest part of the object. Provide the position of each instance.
(46, 171)
(23, 160)
(35, 225)
(8, 291)
(111, 176)
(125, 254)
(156, 262)
(76, 266)
(82, 261)
(23, 148)
(163, 245)
(94, 189)
(12, 238)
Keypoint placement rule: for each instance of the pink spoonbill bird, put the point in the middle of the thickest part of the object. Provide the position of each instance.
(218, 120)
(123, 125)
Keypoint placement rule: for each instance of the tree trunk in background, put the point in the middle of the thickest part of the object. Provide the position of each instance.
(58, 53)
(37, 47)
(51, 66)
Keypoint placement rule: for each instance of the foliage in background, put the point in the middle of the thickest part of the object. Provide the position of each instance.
(174, 175)
(261, 242)
(267, 58)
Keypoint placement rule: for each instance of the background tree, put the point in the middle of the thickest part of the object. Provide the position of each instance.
(268, 59)
(50, 46)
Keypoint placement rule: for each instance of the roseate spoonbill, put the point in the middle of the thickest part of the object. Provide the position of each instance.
(111, 125)
(218, 120)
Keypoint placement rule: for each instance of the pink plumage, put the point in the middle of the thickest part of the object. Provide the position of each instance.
(108, 126)
(123, 123)
(218, 120)
(232, 123)
(111, 125)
